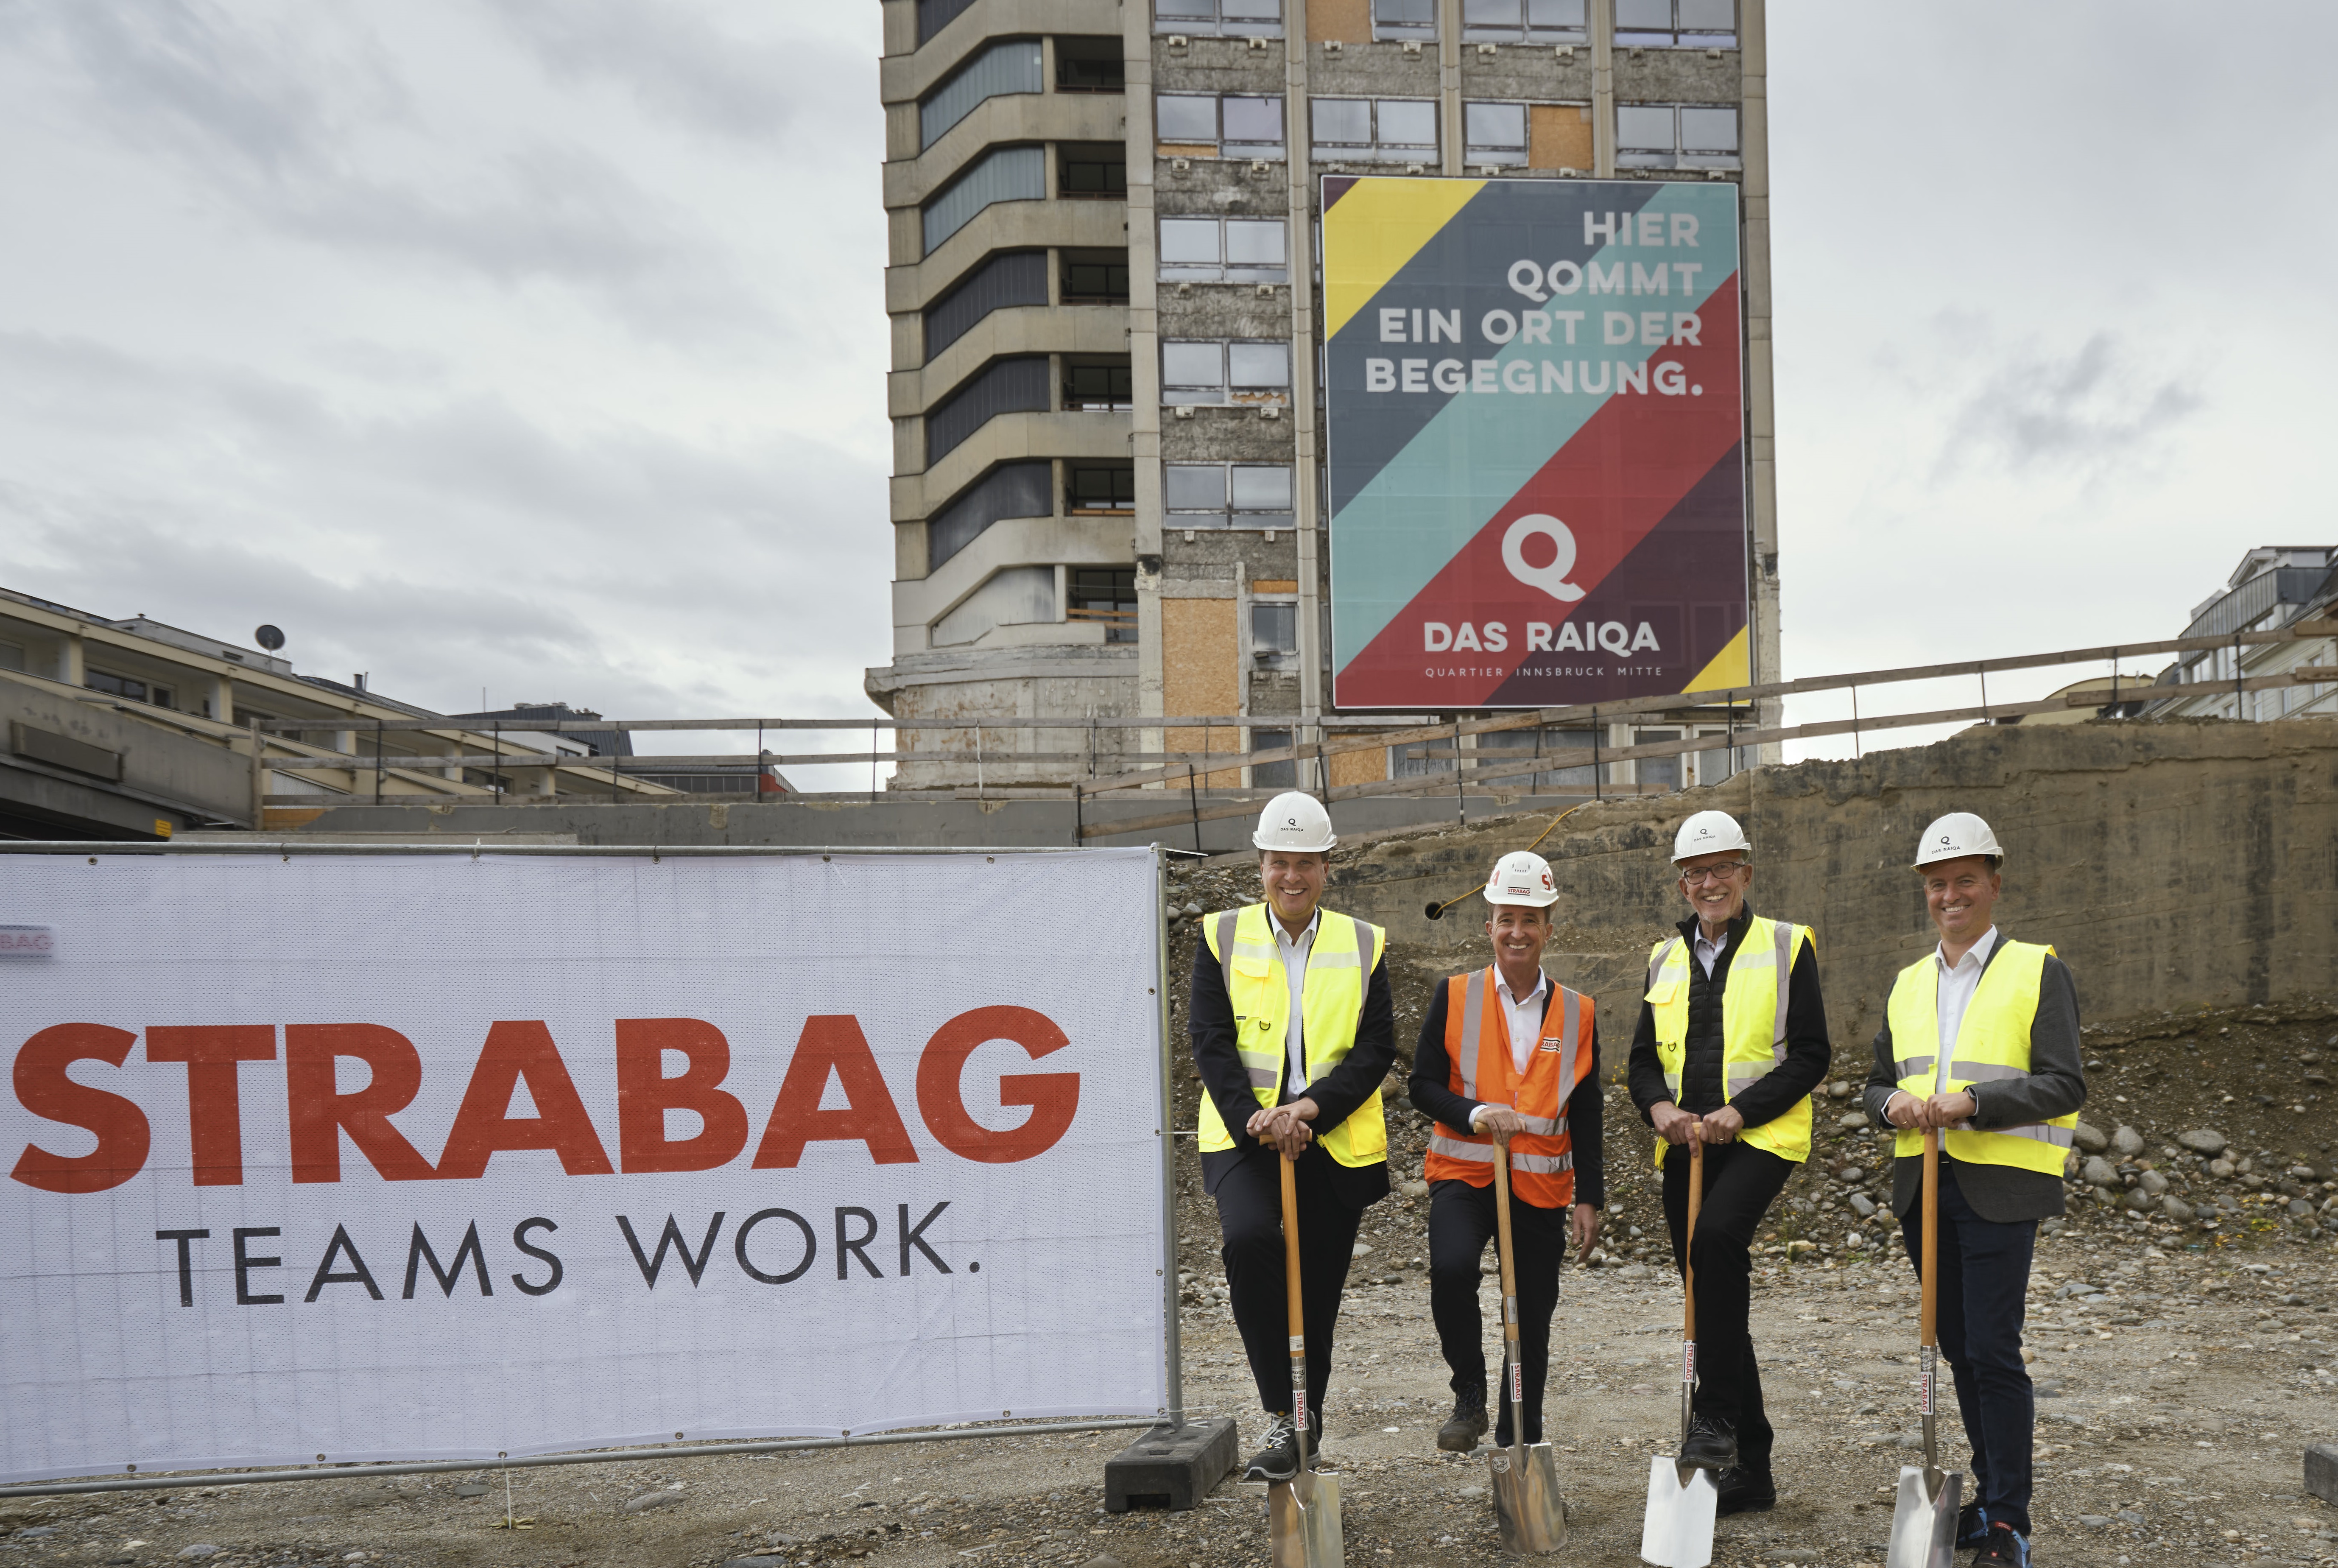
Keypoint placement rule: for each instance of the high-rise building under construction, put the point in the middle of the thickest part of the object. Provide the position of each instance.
(1106, 289)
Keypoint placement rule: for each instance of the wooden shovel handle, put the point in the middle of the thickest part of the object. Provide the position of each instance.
(1296, 1312)
(1927, 1325)
(1502, 1230)
(1688, 1238)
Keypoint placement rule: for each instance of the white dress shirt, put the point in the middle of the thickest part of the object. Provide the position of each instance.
(1294, 950)
(1522, 1016)
(1955, 983)
(1958, 981)
(1708, 953)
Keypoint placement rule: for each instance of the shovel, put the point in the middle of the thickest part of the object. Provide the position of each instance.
(1526, 1476)
(1678, 1531)
(1302, 1512)
(1924, 1523)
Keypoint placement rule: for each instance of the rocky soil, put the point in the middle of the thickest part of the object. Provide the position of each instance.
(2180, 1329)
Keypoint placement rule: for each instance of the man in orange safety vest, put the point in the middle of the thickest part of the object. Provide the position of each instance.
(1506, 1060)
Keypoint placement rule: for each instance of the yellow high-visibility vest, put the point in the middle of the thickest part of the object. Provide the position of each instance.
(1331, 1001)
(1752, 1024)
(1992, 1045)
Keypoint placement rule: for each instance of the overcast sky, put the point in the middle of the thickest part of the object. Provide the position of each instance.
(538, 346)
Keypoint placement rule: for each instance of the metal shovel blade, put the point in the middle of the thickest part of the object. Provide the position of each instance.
(1678, 1529)
(1924, 1523)
(1304, 1521)
(1526, 1500)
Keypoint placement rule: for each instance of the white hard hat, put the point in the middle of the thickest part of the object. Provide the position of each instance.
(1522, 877)
(1954, 837)
(1708, 832)
(1295, 821)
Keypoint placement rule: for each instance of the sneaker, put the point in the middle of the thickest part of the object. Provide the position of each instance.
(1972, 1527)
(1744, 1490)
(1279, 1460)
(2005, 1548)
(1711, 1445)
(1460, 1435)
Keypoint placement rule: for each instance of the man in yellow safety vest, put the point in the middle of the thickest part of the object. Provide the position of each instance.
(1980, 1040)
(1292, 1029)
(1732, 1039)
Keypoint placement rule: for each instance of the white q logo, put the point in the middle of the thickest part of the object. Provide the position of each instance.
(1551, 580)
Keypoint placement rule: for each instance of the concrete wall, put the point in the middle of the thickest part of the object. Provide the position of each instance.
(2175, 865)
(167, 776)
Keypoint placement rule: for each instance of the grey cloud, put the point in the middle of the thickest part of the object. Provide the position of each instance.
(2078, 411)
(680, 66)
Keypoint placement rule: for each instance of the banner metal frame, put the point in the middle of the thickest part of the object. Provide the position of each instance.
(1172, 1349)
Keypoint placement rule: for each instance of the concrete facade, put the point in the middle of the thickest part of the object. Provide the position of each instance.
(1230, 615)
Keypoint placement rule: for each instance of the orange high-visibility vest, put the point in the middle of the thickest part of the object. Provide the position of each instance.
(1478, 1047)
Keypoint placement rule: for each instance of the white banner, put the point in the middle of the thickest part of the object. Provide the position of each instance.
(371, 1158)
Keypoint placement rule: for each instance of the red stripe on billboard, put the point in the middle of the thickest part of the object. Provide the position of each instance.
(1458, 640)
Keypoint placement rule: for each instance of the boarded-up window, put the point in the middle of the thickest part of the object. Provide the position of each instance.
(1559, 136)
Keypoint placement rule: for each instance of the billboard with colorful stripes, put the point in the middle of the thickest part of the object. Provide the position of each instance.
(1534, 434)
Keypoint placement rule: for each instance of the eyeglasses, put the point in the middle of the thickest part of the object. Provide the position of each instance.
(1721, 872)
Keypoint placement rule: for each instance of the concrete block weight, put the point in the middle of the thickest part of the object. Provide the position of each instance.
(1171, 1467)
(2321, 1471)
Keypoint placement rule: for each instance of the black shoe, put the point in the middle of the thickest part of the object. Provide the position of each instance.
(2003, 1549)
(1460, 1435)
(1972, 1527)
(1279, 1460)
(1744, 1491)
(1711, 1445)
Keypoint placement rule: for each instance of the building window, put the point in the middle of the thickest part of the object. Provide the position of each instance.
(1657, 773)
(129, 687)
(1013, 278)
(1494, 133)
(1524, 21)
(1103, 594)
(1529, 743)
(1415, 19)
(1227, 495)
(12, 656)
(1283, 774)
(933, 16)
(1206, 125)
(1676, 24)
(1092, 172)
(1235, 372)
(1090, 66)
(1420, 759)
(1006, 175)
(1676, 136)
(1023, 490)
(1222, 251)
(1018, 596)
(997, 71)
(1233, 18)
(1273, 632)
(1099, 386)
(1095, 277)
(1017, 386)
(1100, 488)
(1375, 130)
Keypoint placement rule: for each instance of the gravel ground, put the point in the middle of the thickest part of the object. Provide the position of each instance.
(2186, 1354)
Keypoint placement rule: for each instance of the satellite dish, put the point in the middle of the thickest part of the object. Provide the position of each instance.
(268, 638)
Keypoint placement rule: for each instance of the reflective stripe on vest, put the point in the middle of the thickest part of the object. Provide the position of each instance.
(1992, 1046)
(1331, 998)
(1482, 1068)
(1764, 964)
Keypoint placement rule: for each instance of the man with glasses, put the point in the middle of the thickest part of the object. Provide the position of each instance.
(1732, 1039)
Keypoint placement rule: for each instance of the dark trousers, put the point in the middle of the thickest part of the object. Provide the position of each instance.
(1461, 1221)
(1250, 1214)
(1983, 1286)
(1740, 1184)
